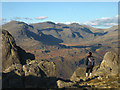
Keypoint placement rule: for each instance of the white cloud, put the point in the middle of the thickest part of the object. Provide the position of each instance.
(41, 17)
(104, 21)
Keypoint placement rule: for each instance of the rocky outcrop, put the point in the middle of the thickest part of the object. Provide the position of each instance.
(9, 50)
(35, 74)
(40, 74)
(106, 75)
(65, 84)
(78, 74)
(11, 53)
(109, 65)
(37, 67)
(24, 73)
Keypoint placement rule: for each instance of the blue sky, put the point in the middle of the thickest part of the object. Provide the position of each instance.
(61, 12)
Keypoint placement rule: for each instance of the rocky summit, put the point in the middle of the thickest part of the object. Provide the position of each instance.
(109, 65)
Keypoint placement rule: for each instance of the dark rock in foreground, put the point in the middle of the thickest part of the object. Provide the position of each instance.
(36, 74)
(23, 73)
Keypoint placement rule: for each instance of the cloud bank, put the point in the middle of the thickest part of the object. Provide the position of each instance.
(28, 19)
(104, 22)
(41, 17)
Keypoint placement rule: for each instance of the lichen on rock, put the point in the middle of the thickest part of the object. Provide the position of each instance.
(109, 65)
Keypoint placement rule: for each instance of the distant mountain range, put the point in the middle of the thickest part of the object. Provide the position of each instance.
(53, 34)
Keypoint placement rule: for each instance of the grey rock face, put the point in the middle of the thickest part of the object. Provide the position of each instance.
(78, 74)
(109, 65)
(40, 74)
(63, 84)
(9, 50)
(40, 69)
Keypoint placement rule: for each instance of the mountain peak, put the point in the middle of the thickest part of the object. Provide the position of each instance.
(74, 24)
(16, 22)
(49, 22)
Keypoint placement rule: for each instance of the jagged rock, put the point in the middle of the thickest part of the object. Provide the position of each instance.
(48, 67)
(40, 69)
(32, 75)
(11, 53)
(9, 50)
(78, 74)
(63, 84)
(17, 68)
(40, 74)
(109, 65)
(104, 76)
(32, 69)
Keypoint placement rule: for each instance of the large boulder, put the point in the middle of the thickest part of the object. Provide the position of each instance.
(9, 50)
(109, 65)
(40, 74)
(65, 84)
(40, 68)
(78, 74)
(11, 53)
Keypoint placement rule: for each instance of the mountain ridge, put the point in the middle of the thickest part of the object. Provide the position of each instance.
(67, 33)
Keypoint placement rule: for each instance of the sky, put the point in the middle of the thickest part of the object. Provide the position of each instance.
(96, 14)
